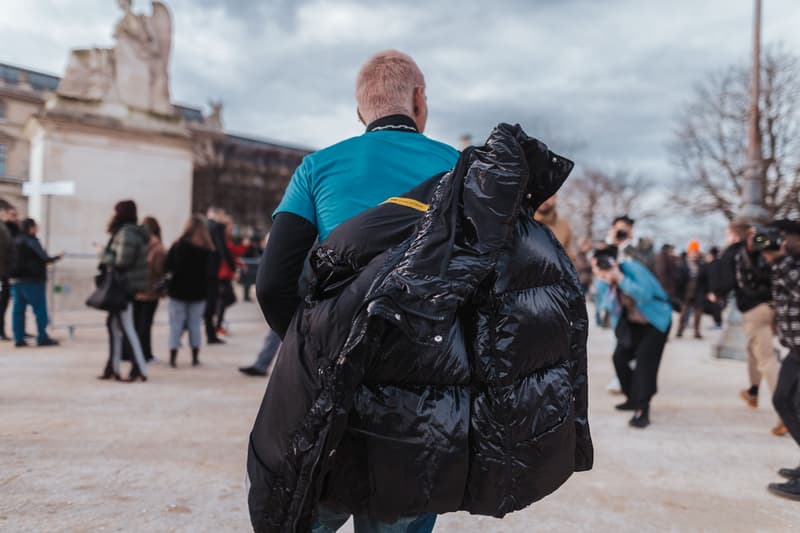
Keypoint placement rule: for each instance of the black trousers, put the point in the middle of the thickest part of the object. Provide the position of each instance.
(786, 398)
(211, 309)
(5, 297)
(143, 315)
(644, 344)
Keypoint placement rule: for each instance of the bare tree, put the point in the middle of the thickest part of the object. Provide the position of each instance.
(709, 144)
(594, 197)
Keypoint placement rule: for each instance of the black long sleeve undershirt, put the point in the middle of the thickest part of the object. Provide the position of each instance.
(281, 266)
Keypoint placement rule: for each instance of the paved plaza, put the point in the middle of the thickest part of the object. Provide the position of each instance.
(77, 454)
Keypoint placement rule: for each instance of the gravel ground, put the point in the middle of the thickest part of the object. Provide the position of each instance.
(77, 454)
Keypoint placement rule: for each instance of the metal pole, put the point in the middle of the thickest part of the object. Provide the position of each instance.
(753, 200)
(732, 341)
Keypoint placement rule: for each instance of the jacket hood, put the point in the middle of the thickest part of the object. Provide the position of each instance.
(546, 170)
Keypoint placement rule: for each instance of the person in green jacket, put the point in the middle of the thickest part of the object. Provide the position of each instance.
(126, 253)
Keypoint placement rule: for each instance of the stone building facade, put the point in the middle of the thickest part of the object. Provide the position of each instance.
(245, 175)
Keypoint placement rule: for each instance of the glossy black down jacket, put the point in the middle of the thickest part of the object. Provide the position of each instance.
(439, 361)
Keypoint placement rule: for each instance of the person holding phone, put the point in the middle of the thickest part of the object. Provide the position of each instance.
(641, 315)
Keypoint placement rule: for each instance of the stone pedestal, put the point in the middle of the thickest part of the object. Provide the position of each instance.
(144, 157)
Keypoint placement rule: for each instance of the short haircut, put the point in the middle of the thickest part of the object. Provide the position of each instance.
(385, 85)
(624, 218)
(27, 224)
(739, 228)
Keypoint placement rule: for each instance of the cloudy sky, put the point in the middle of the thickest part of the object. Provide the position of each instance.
(607, 75)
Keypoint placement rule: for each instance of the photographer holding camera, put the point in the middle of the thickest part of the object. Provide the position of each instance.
(754, 282)
(780, 245)
(641, 315)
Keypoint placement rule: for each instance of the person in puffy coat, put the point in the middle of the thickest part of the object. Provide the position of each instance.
(126, 254)
(438, 361)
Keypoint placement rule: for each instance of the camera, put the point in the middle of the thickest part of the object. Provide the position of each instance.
(767, 239)
(605, 257)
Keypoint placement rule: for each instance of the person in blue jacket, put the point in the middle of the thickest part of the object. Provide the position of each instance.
(641, 316)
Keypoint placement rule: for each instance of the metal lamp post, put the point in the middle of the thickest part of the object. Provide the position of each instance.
(753, 208)
(732, 341)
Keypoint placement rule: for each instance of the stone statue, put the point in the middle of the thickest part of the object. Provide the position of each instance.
(214, 119)
(134, 72)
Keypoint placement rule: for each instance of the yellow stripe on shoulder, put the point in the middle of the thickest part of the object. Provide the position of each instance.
(407, 202)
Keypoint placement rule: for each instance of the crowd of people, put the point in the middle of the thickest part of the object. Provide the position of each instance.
(639, 293)
(196, 276)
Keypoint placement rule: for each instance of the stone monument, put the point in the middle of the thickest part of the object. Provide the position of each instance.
(111, 129)
(134, 72)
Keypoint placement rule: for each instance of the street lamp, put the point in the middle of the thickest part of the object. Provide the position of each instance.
(732, 341)
(753, 208)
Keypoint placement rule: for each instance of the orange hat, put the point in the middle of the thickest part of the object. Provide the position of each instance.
(693, 247)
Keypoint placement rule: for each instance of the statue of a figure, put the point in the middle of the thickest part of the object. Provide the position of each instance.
(134, 72)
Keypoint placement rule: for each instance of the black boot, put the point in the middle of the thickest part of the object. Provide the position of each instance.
(173, 355)
(790, 473)
(790, 490)
(641, 419)
(136, 373)
(108, 373)
(195, 356)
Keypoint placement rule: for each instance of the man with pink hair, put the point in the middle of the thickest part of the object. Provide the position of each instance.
(334, 184)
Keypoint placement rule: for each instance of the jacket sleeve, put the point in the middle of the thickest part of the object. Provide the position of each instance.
(156, 263)
(634, 286)
(37, 249)
(221, 243)
(786, 275)
(277, 281)
(724, 279)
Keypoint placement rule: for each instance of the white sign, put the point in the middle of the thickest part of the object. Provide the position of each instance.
(49, 188)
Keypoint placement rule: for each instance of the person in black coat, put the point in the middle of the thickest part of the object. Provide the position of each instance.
(28, 284)
(186, 269)
(9, 229)
(747, 274)
(216, 229)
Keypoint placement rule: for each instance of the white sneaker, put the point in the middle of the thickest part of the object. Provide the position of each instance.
(614, 387)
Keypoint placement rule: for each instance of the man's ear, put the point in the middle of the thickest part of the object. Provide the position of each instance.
(360, 118)
(419, 93)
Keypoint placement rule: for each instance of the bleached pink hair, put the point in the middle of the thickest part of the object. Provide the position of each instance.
(385, 85)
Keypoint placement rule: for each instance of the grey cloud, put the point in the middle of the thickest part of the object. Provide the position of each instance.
(608, 75)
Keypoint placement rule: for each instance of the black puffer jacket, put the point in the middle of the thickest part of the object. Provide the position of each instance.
(439, 361)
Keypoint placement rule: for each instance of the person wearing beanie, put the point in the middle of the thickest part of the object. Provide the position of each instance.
(692, 287)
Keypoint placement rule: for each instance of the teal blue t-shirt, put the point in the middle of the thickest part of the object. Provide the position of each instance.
(339, 182)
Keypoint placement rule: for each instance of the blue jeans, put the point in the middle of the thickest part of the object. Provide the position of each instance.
(268, 350)
(35, 295)
(188, 316)
(328, 521)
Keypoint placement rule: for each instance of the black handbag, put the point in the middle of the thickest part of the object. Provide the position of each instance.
(109, 295)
